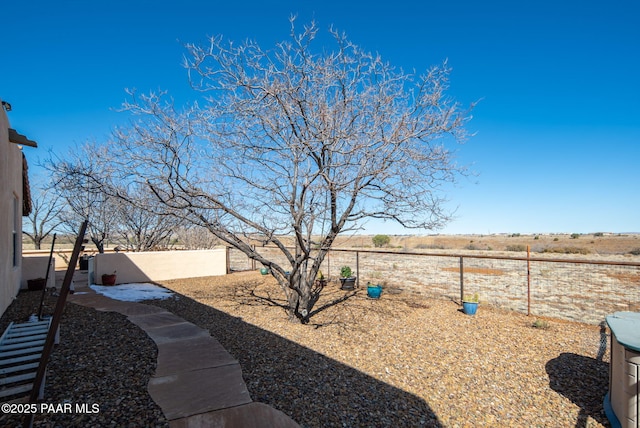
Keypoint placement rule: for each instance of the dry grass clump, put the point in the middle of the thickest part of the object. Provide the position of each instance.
(567, 250)
(479, 271)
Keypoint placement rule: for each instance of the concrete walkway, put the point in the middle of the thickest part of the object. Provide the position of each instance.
(197, 383)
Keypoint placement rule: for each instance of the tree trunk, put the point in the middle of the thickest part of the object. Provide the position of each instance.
(299, 302)
(99, 243)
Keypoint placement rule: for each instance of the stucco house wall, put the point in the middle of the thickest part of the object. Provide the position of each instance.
(11, 200)
(36, 267)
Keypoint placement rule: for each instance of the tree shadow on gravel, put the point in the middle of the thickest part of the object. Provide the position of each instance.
(314, 390)
(254, 293)
(584, 381)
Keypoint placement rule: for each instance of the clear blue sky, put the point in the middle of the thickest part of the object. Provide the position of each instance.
(557, 145)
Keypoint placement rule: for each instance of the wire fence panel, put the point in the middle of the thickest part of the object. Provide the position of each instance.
(575, 290)
(238, 261)
(582, 291)
(499, 282)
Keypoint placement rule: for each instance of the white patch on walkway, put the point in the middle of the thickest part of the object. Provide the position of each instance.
(132, 292)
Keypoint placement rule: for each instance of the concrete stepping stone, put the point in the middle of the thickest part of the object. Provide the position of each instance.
(253, 415)
(191, 354)
(193, 392)
(173, 332)
(197, 383)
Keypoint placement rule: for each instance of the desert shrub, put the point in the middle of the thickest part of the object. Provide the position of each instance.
(536, 237)
(345, 272)
(381, 240)
(598, 234)
(471, 247)
(576, 250)
(430, 247)
(575, 235)
(635, 252)
(518, 247)
(567, 250)
(556, 239)
(514, 235)
(541, 324)
(472, 298)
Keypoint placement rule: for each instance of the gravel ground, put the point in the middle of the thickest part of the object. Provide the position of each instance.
(401, 361)
(102, 359)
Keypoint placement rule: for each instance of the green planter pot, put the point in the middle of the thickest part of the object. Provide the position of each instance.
(348, 283)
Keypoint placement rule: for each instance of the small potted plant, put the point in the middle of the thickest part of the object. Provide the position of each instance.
(470, 304)
(109, 278)
(36, 284)
(347, 280)
(374, 291)
(321, 281)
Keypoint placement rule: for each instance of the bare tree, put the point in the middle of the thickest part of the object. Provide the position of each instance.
(140, 226)
(97, 208)
(192, 237)
(73, 176)
(127, 216)
(295, 143)
(44, 217)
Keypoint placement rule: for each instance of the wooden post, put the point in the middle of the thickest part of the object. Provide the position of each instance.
(528, 280)
(253, 261)
(228, 260)
(461, 279)
(55, 323)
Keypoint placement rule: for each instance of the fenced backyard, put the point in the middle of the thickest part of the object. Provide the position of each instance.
(565, 288)
(421, 358)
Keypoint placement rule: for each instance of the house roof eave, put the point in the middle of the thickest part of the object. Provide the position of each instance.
(16, 138)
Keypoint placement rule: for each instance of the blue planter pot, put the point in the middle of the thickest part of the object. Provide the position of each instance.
(374, 291)
(470, 308)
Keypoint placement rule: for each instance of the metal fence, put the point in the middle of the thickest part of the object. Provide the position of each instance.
(571, 289)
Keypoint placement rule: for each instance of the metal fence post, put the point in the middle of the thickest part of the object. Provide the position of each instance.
(357, 269)
(253, 261)
(461, 278)
(528, 280)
